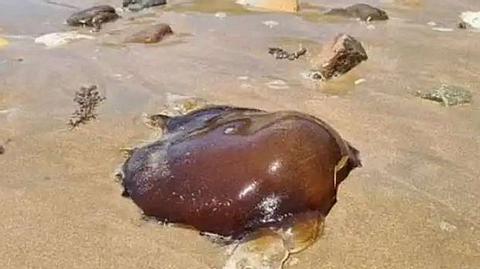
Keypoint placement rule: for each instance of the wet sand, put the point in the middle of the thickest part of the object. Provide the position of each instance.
(414, 204)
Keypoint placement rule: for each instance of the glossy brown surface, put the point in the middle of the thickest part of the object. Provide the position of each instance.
(229, 170)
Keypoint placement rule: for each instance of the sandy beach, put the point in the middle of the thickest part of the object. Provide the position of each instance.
(413, 204)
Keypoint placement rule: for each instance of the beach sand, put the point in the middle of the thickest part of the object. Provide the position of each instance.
(414, 204)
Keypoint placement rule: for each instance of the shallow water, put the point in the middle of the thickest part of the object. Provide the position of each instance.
(414, 204)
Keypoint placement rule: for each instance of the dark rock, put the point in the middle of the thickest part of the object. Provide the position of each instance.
(363, 12)
(151, 34)
(140, 4)
(462, 25)
(93, 17)
(339, 57)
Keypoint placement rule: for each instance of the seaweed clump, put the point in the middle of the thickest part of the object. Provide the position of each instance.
(280, 53)
(87, 98)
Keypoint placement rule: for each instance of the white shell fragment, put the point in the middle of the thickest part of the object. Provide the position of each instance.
(53, 40)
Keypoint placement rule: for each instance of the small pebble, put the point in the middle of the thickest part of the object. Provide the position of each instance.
(270, 24)
(221, 15)
(360, 81)
(462, 25)
(278, 84)
(229, 130)
(293, 261)
(2, 150)
(447, 227)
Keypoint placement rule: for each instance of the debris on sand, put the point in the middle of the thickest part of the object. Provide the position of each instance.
(448, 95)
(151, 34)
(136, 5)
(280, 53)
(221, 15)
(462, 25)
(442, 29)
(363, 12)
(265, 252)
(471, 18)
(275, 5)
(176, 105)
(339, 57)
(181, 104)
(93, 17)
(53, 40)
(87, 98)
(270, 23)
(277, 84)
(447, 227)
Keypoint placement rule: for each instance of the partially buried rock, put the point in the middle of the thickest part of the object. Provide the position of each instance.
(141, 4)
(231, 171)
(363, 12)
(448, 95)
(93, 17)
(339, 57)
(150, 34)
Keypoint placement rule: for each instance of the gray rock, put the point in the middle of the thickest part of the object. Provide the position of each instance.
(150, 34)
(280, 53)
(93, 17)
(141, 4)
(448, 95)
(339, 57)
(363, 12)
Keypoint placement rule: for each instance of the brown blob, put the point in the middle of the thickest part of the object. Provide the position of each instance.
(150, 34)
(228, 170)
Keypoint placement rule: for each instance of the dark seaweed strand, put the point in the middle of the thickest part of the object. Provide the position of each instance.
(87, 98)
